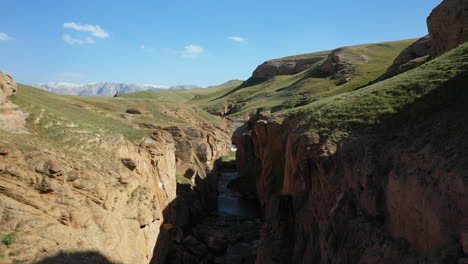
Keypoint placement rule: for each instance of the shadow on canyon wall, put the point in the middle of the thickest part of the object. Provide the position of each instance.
(192, 205)
(84, 257)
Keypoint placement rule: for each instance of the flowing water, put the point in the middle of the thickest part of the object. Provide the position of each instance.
(241, 220)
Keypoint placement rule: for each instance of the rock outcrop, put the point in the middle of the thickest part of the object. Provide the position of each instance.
(57, 202)
(448, 25)
(287, 66)
(12, 119)
(412, 57)
(339, 63)
(112, 196)
(396, 194)
(197, 151)
(7, 88)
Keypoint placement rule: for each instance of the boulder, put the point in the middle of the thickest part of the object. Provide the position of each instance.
(7, 87)
(448, 25)
(12, 119)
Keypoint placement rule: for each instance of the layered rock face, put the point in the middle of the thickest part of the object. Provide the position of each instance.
(396, 194)
(12, 119)
(287, 66)
(115, 206)
(448, 25)
(197, 151)
(7, 87)
(111, 203)
(108, 199)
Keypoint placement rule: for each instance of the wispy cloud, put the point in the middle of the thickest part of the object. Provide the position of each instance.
(238, 39)
(70, 75)
(4, 36)
(146, 48)
(70, 40)
(95, 30)
(192, 51)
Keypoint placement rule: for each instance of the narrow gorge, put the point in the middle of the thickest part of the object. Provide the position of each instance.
(352, 155)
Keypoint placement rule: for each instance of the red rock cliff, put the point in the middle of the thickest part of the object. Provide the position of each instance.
(396, 194)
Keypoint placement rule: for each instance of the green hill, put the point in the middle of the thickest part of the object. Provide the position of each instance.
(71, 121)
(289, 91)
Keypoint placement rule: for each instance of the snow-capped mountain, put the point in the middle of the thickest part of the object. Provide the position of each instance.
(105, 89)
(96, 89)
(185, 87)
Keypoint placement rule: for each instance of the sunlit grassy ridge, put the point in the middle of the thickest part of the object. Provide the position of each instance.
(338, 115)
(323, 105)
(289, 91)
(75, 121)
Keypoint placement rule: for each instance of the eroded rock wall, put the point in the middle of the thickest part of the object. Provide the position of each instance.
(448, 25)
(197, 153)
(107, 199)
(54, 202)
(12, 119)
(394, 194)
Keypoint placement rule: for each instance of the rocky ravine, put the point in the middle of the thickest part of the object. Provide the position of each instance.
(111, 201)
(393, 193)
(396, 195)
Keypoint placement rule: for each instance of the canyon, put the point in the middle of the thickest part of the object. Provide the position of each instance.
(353, 155)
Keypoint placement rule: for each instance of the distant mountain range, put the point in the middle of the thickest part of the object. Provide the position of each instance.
(105, 89)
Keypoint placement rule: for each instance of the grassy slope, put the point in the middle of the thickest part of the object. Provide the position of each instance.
(336, 116)
(287, 91)
(72, 121)
(328, 108)
(183, 96)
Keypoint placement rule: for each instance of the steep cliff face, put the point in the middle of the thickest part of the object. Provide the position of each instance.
(386, 193)
(197, 150)
(109, 201)
(391, 195)
(12, 119)
(448, 25)
(100, 192)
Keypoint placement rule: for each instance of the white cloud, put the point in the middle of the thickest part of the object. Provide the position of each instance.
(4, 36)
(145, 48)
(238, 39)
(192, 51)
(70, 75)
(70, 40)
(95, 30)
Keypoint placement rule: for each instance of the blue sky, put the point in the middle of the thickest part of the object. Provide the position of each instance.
(204, 42)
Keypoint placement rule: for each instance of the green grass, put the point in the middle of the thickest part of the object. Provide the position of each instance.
(289, 91)
(10, 238)
(182, 180)
(194, 96)
(230, 157)
(64, 121)
(56, 117)
(337, 116)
